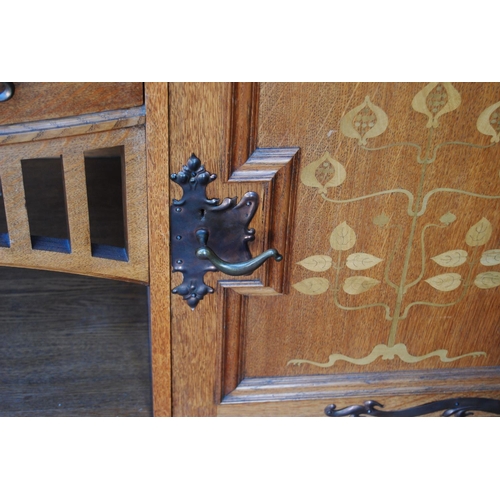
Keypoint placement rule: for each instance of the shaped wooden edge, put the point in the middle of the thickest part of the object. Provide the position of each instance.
(309, 395)
(71, 126)
(277, 169)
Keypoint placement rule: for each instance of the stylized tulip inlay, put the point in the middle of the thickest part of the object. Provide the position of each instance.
(488, 122)
(364, 122)
(323, 173)
(435, 100)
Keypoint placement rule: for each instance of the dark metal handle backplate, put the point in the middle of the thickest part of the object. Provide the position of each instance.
(210, 236)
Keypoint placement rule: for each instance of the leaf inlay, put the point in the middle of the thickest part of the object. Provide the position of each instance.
(317, 172)
(491, 257)
(359, 284)
(343, 237)
(317, 263)
(312, 286)
(445, 282)
(490, 279)
(361, 261)
(453, 258)
(479, 233)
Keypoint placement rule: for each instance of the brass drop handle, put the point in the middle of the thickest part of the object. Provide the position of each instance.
(236, 268)
(6, 91)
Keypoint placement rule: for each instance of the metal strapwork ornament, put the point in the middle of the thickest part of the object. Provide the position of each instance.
(458, 407)
(210, 236)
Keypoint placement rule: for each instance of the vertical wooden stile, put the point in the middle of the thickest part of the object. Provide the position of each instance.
(157, 137)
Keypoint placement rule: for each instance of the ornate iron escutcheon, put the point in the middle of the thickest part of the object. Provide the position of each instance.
(458, 407)
(208, 236)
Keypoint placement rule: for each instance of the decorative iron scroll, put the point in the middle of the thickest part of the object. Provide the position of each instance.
(458, 407)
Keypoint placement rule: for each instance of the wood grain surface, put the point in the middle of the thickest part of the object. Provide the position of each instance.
(44, 101)
(408, 383)
(73, 346)
(268, 172)
(316, 407)
(199, 125)
(159, 243)
(75, 125)
(397, 188)
(80, 260)
(312, 324)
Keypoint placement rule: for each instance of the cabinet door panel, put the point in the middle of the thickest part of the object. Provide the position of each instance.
(389, 286)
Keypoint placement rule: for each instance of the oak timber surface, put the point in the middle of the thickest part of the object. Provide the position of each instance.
(198, 121)
(316, 407)
(423, 286)
(157, 129)
(72, 346)
(44, 101)
(72, 150)
(234, 337)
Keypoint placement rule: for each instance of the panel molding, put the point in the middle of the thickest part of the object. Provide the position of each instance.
(75, 125)
(374, 385)
(276, 170)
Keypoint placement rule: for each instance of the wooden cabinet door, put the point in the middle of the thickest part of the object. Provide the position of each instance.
(384, 199)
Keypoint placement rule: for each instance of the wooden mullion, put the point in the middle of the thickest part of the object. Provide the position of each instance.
(15, 207)
(76, 202)
(157, 139)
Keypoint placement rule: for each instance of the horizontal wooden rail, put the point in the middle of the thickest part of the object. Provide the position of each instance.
(75, 125)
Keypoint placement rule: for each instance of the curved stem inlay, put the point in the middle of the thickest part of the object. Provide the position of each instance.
(465, 289)
(422, 244)
(456, 143)
(355, 308)
(391, 258)
(373, 195)
(451, 190)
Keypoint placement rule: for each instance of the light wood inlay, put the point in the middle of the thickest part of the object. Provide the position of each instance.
(387, 187)
(395, 219)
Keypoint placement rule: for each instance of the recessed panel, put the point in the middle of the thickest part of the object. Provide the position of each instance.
(396, 249)
(45, 196)
(4, 232)
(73, 346)
(104, 170)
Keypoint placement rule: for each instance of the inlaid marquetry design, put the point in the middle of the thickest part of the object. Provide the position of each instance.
(488, 122)
(435, 100)
(323, 173)
(364, 122)
(459, 265)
